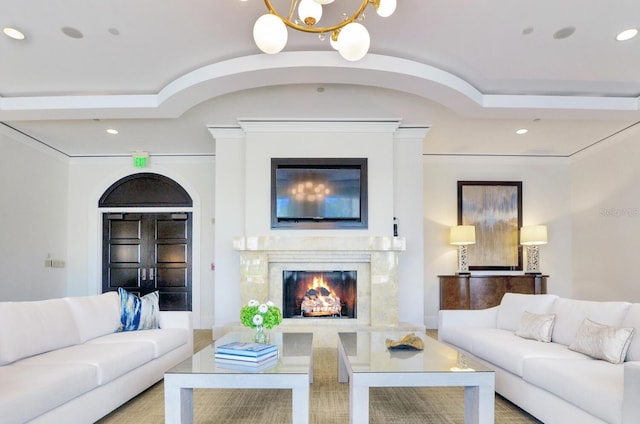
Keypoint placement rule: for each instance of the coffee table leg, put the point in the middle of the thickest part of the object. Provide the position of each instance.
(178, 404)
(358, 402)
(479, 404)
(343, 373)
(300, 403)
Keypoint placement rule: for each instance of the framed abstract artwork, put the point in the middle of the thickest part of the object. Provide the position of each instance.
(495, 209)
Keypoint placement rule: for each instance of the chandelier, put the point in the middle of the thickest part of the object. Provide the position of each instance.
(349, 37)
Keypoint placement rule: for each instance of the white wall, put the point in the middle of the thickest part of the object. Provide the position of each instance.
(33, 218)
(605, 189)
(545, 200)
(590, 204)
(90, 177)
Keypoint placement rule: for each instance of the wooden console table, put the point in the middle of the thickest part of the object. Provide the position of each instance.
(486, 291)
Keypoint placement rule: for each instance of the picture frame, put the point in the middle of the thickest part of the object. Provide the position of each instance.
(495, 209)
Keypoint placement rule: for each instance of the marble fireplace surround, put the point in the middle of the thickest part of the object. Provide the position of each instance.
(375, 258)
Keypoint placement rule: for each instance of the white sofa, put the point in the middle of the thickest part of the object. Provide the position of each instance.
(550, 381)
(63, 361)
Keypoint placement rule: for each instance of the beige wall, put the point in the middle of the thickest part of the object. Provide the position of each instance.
(33, 218)
(545, 200)
(605, 191)
(589, 202)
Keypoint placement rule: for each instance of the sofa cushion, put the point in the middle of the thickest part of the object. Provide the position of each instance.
(95, 315)
(514, 304)
(602, 341)
(570, 313)
(162, 340)
(30, 328)
(139, 313)
(594, 386)
(508, 351)
(28, 391)
(632, 319)
(460, 337)
(111, 361)
(536, 326)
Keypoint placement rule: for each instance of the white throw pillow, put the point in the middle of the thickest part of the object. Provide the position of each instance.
(602, 341)
(536, 326)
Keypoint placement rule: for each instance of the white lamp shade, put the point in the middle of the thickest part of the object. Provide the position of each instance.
(323, 1)
(309, 9)
(353, 41)
(386, 8)
(533, 235)
(462, 235)
(270, 33)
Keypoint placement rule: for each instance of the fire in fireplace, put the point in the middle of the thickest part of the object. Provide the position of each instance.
(324, 294)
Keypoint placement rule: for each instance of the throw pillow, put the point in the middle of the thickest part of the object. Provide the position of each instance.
(602, 341)
(536, 326)
(139, 313)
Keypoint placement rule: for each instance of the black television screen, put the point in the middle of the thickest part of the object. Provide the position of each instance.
(319, 193)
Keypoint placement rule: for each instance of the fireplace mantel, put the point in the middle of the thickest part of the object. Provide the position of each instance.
(320, 243)
(262, 259)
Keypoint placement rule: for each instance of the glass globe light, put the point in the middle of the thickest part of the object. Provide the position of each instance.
(354, 41)
(323, 1)
(270, 33)
(309, 12)
(386, 8)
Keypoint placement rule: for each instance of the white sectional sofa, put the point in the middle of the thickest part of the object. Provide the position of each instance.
(549, 380)
(63, 360)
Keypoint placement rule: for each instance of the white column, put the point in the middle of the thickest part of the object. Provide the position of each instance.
(229, 215)
(408, 208)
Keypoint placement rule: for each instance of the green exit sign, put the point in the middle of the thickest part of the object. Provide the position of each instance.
(140, 159)
(140, 162)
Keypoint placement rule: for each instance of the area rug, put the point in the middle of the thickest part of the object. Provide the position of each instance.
(329, 403)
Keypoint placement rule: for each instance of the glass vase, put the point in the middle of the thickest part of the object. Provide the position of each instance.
(260, 336)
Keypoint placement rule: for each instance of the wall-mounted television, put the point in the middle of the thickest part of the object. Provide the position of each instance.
(319, 193)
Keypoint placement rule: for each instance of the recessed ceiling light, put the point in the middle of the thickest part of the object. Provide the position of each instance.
(627, 34)
(112, 131)
(563, 33)
(527, 31)
(522, 131)
(13, 33)
(72, 32)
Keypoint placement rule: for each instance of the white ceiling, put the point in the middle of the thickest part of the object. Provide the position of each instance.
(474, 71)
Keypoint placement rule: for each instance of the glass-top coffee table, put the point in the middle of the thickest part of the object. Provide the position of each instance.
(364, 361)
(293, 370)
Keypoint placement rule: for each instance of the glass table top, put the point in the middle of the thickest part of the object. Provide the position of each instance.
(367, 352)
(295, 356)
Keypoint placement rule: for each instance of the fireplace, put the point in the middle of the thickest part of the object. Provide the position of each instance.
(319, 294)
(263, 260)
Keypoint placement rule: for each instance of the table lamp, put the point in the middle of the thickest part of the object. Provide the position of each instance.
(532, 237)
(462, 236)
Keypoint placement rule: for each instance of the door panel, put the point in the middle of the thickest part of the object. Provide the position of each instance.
(147, 252)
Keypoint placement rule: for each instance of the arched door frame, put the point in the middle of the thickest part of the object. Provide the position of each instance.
(95, 231)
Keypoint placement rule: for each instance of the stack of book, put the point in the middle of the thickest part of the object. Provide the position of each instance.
(251, 357)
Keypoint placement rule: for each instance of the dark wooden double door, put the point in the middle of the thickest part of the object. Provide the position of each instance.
(145, 252)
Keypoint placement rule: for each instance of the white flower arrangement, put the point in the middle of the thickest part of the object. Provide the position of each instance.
(256, 314)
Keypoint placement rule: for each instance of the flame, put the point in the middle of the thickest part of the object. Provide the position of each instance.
(321, 303)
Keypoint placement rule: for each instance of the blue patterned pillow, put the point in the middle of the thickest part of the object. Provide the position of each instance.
(139, 313)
